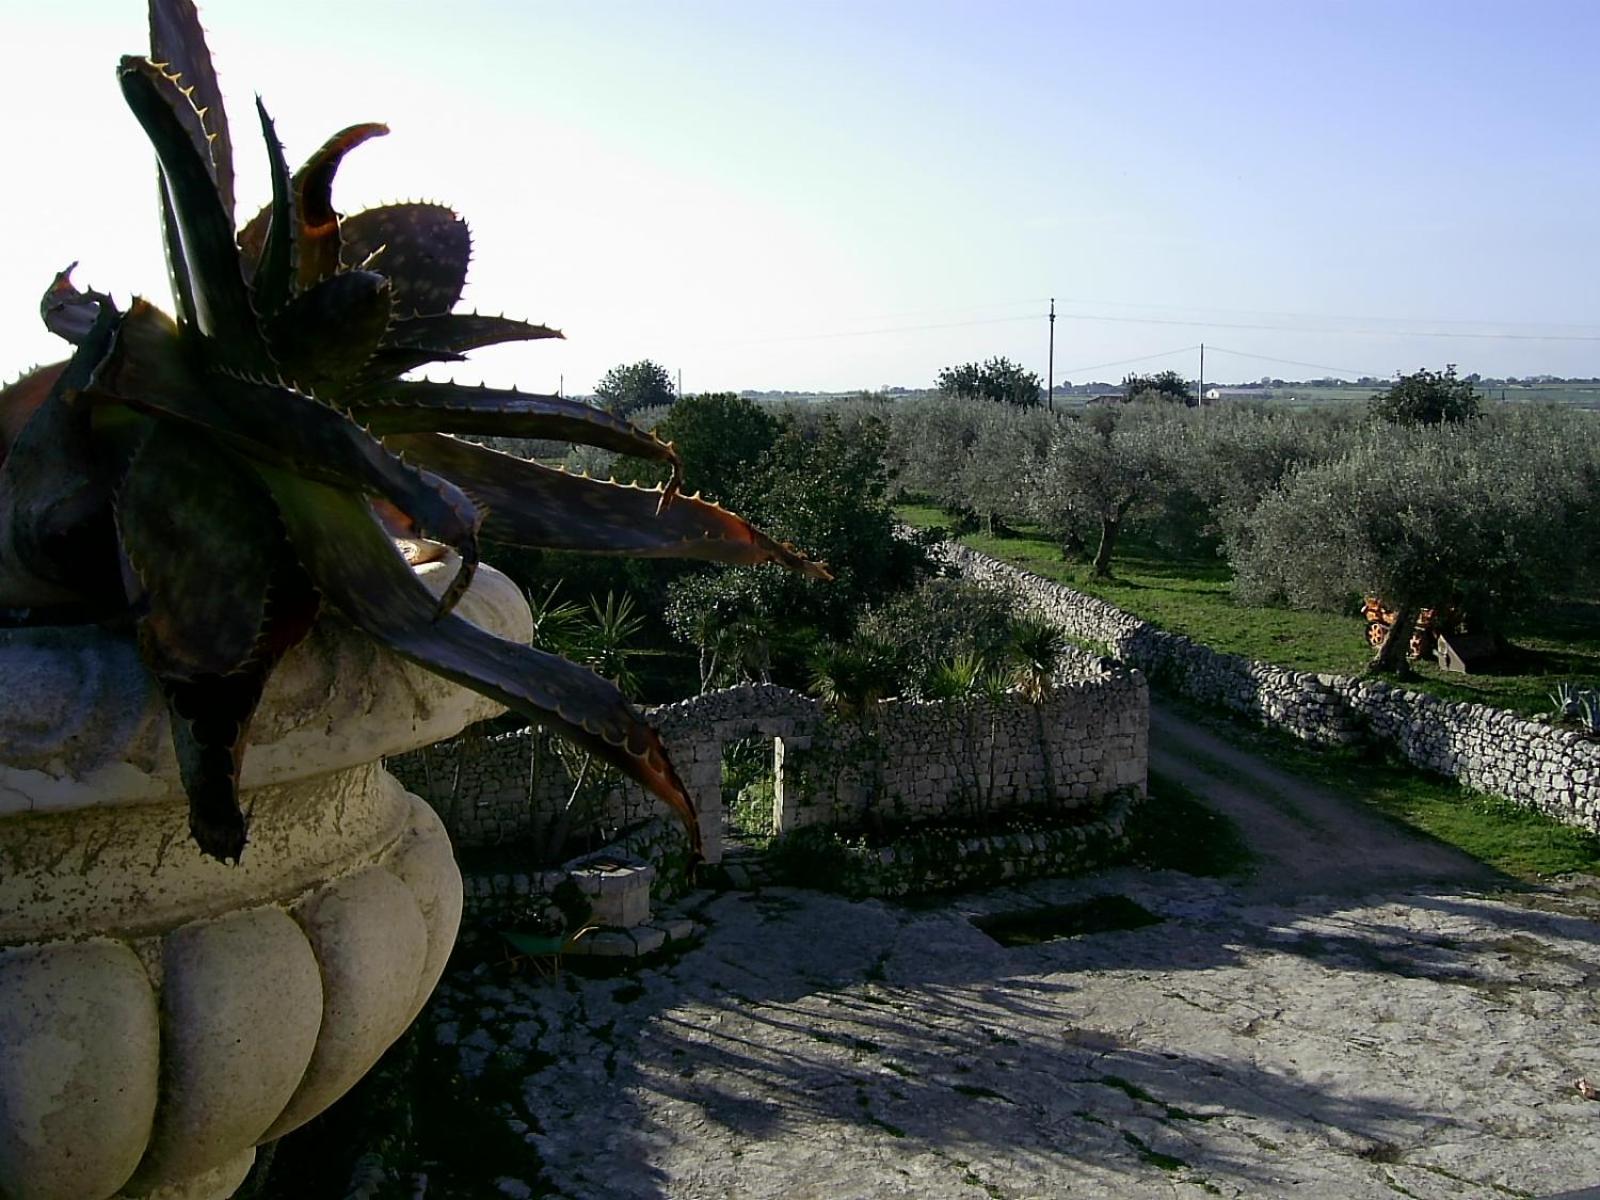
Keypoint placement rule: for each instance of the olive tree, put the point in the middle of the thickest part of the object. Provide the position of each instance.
(1225, 459)
(987, 476)
(1483, 517)
(965, 454)
(1100, 471)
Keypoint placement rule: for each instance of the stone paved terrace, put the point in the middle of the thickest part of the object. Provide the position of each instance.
(1364, 1038)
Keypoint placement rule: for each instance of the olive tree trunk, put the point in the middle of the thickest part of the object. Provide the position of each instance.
(1391, 656)
(1109, 528)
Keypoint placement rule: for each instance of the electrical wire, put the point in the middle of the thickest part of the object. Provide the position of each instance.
(851, 333)
(1392, 333)
(1128, 362)
(1290, 362)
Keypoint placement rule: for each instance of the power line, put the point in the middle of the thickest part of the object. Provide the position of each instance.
(1369, 318)
(1290, 362)
(1125, 362)
(850, 333)
(1403, 333)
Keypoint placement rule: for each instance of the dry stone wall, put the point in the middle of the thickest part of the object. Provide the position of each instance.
(1553, 770)
(917, 761)
(511, 787)
(910, 761)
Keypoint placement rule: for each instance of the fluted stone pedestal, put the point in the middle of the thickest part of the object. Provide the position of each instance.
(161, 1013)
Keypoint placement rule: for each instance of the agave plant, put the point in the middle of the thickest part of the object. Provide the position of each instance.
(221, 476)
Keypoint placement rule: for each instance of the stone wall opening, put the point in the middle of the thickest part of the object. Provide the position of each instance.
(748, 782)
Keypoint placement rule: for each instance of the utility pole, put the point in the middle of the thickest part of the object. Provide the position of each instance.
(1200, 396)
(561, 385)
(680, 383)
(1050, 396)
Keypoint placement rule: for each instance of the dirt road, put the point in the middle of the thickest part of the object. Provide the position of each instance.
(1310, 840)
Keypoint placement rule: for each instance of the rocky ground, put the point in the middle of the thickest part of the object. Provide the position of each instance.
(1365, 1016)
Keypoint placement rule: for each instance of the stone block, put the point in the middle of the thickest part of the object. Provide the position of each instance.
(606, 943)
(647, 938)
(618, 889)
(677, 929)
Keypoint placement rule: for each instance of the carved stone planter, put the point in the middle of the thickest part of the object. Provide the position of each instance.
(160, 1013)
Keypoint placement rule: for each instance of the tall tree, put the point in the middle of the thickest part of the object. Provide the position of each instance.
(1428, 398)
(719, 438)
(1164, 387)
(998, 379)
(628, 387)
(838, 508)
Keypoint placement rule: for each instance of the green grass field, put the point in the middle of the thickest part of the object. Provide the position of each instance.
(1193, 598)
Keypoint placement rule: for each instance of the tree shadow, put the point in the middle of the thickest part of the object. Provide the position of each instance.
(811, 1038)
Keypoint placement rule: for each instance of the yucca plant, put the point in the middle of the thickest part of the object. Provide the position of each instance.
(1038, 648)
(220, 477)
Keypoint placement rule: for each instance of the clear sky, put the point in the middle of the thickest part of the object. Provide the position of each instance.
(846, 195)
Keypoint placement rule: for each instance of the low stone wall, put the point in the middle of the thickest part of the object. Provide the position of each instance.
(913, 762)
(933, 860)
(908, 762)
(1488, 749)
(510, 787)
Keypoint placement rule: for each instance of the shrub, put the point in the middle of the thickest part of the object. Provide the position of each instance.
(941, 619)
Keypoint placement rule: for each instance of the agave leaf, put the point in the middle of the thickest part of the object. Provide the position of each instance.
(21, 399)
(362, 575)
(179, 44)
(197, 529)
(317, 241)
(67, 312)
(221, 300)
(183, 299)
(252, 240)
(210, 719)
(456, 333)
(388, 363)
(148, 371)
(533, 505)
(424, 249)
(423, 406)
(271, 266)
(324, 336)
(57, 545)
(212, 712)
(419, 340)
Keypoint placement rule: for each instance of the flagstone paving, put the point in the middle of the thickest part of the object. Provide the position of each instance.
(1325, 1028)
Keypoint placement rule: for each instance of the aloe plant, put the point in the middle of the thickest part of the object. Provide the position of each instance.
(220, 476)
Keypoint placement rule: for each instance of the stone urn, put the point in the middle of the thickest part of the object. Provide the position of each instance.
(162, 1014)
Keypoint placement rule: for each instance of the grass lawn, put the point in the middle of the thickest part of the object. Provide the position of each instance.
(1193, 597)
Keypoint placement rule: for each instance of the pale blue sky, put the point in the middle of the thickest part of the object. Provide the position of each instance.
(836, 196)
